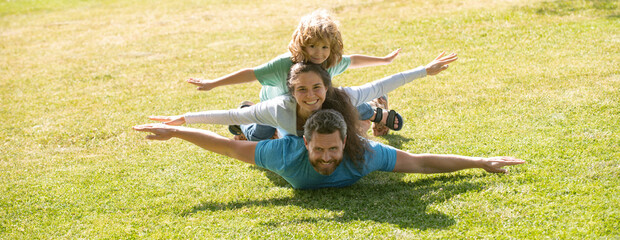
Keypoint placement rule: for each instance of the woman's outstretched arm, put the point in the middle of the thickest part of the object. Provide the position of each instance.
(378, 88)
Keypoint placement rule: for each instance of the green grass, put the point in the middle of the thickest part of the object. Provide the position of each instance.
(538, 80)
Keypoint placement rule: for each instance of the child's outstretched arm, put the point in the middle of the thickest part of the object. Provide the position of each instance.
(241, 76)
(359, 61)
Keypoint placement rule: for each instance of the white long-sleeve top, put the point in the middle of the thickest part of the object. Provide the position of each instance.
(281, 112)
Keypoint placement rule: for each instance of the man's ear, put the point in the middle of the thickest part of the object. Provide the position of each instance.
(306, 142)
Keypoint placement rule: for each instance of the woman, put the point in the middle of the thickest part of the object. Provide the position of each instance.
(310, 90)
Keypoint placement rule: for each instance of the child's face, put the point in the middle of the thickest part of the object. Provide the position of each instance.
(317, 51)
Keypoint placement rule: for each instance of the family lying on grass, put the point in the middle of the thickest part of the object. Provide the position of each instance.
(328, 149)
(318, 142)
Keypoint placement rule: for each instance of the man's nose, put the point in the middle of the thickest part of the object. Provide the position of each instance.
(326, 156)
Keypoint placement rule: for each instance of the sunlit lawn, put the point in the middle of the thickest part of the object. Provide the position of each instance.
(535, 80)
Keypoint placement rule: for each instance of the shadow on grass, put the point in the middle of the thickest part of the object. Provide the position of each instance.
(396, 140)
(273, 177)
(380, 197)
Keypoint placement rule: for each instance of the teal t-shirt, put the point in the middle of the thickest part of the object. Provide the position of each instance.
(288, 158)
(272, 75)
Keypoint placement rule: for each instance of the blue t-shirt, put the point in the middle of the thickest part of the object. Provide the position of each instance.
(272, 75)
(288, 158)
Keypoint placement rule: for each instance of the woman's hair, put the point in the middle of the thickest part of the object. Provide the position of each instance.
(317, 26)
(339, 101)
(300, 67)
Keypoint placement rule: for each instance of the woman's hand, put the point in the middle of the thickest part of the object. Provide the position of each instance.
(440, 63)
(170, 120)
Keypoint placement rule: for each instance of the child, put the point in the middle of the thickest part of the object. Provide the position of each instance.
(317, 40)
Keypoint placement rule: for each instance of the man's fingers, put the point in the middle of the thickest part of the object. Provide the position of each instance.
(143, 128)
(158, 131)
(506, 161)
(495, 164)
(514, 162)
(512, 159)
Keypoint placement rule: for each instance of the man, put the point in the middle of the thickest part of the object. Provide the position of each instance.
(317, 160)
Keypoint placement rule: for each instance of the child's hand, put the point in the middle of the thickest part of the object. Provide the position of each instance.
(390, 57)
(203, 85)
(169, 120)
(440, 63)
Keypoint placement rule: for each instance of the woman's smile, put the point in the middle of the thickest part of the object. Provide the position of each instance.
(309, 91)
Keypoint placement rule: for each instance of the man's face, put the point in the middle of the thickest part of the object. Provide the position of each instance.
(325, 151)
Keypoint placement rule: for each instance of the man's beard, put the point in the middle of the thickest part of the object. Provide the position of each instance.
(323, 169)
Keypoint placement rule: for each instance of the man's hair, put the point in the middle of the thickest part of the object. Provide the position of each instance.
(326, 121)
(317, 26)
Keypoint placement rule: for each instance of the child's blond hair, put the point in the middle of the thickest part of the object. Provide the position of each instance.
(317, 26)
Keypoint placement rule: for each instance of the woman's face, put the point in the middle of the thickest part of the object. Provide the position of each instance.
(309, 91)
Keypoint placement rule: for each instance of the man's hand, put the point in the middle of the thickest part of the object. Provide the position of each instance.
(169, 120)
(495, 164)
(203, 85)
(160, 131)
(440, 63)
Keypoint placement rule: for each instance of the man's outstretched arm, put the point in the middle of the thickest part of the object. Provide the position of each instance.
(435, 163)
(242, 150)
